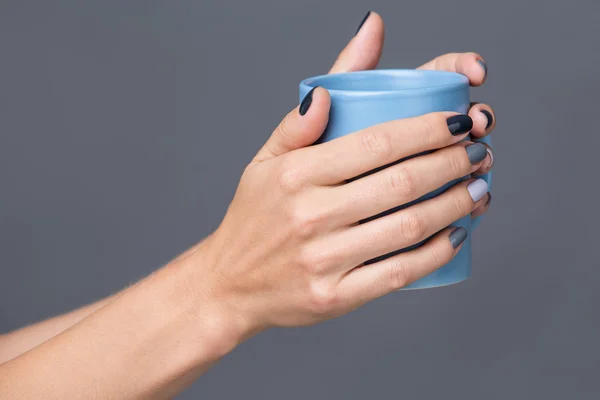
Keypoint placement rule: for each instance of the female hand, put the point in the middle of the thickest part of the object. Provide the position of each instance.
(290, 250)
(363, 53)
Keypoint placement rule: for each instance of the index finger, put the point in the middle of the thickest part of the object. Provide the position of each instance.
(350, 156)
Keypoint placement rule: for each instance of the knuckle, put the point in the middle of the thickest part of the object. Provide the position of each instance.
(307, 220)
(413, 227)
(439, 255)
(322, 297)
(313, 261)
(304, 223)
(377, 143)
(402, 180)
(460, 207)
(458, 163)
(289, 178)
(400, 275)
(431, 126)
(284, 128)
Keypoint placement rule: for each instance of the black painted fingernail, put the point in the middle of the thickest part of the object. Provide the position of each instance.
(306, 101)
(457, 237)
(362, 22)
(490, 118)
(484, 66)
(460, 124)
(489, 199)
(476, 152)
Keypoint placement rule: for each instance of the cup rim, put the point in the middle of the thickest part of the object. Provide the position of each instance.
(458, 80)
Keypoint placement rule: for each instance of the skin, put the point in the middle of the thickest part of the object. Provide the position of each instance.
(289, 252)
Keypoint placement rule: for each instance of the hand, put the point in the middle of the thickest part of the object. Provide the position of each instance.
(363, 53)
(290, 250)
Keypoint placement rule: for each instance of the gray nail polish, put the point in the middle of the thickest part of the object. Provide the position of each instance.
(476, 152)
(477, 189)
(458, 236)
(484, 66)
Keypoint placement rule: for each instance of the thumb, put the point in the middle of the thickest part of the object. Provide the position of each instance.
(303, 125)
(300, 128)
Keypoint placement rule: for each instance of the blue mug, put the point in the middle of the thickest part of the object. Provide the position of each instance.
(366, 98)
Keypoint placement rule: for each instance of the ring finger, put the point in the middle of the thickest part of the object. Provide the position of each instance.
(406, 227)
(407, 181)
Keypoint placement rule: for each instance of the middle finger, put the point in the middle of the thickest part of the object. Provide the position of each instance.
(407, 227)
(407, 181)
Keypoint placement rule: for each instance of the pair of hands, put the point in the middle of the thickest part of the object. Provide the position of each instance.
(290, 250)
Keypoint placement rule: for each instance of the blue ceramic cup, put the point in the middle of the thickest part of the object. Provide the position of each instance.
(366, 98)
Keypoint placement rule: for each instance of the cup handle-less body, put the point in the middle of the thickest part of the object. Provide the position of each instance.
(366, 98)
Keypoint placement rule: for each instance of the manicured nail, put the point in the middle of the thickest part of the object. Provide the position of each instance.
(484, 66)
(363, 22)
(489, 200)
(458, 236)
(476, 152)
(307, 101)
(459, 124)
(490, 118)
(477, 189)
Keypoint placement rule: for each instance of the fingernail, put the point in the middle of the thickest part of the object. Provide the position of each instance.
(484, 66)
(490, 118)
(458, 236)
(476, 152)
(363, 22)
(307, 101)
(477, 189)
(489, 199)
(459, 124)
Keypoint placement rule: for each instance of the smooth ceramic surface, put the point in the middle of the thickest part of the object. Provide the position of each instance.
(362, 99)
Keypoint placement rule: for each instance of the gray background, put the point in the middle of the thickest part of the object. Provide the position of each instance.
(125, 126)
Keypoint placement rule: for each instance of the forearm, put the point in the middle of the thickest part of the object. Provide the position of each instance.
(22, 340)
(150, 342)
(15, 343)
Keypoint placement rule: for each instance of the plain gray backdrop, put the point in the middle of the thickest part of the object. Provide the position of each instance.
(125, 127)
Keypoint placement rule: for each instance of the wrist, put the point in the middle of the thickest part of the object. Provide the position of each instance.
(208, 304)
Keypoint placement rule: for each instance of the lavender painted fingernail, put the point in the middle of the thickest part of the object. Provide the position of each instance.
(477, 189)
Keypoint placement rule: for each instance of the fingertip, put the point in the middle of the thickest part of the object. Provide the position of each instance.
(313, 115)
(316, 99)
(372, 23)
(487, 163)
(473, 67)
(484, 120)
(322, 97)
(364, 49)
(482, 209)
(457, 236)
